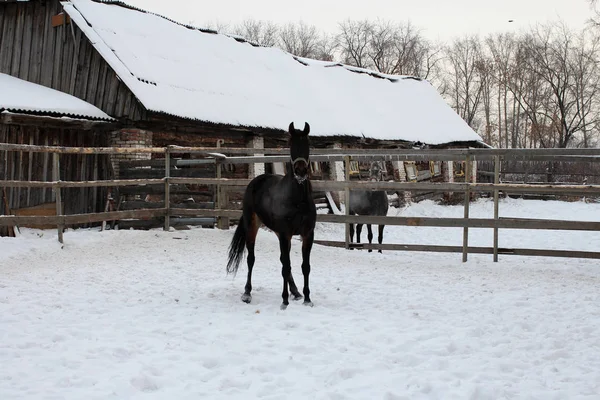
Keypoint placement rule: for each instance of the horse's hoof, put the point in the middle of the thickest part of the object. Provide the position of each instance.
(297, 297)
(380, 252)
(308, 304)
(370, 250)
(247, 298)
(283, 306)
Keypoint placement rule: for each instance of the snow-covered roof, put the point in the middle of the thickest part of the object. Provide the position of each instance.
(17, 95)
(185, 72)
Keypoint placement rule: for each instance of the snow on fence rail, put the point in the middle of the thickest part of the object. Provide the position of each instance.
(280, 155)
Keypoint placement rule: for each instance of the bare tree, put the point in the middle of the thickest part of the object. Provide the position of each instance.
(381, 41)
(353, 41)
(595, 19)
(464, 84)
(569, 67)
(390, 48)
(260, 32)
(326, 48)
(299, 39)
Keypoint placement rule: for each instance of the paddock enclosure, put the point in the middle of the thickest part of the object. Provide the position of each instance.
(222, 210)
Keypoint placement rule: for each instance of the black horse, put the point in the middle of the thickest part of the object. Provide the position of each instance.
(285, 205)
(369, 202)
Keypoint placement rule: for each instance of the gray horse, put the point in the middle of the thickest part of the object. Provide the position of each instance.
(369, 202)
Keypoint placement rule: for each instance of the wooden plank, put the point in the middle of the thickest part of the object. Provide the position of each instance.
(139, 204)
(8, 41)
(81, 150)
(18, 42)
(93, 78)
(183, 212)
(58, 57)
(100, 92)
(111, 95)
(459, 249)
(61, 19)
(157, 222)
(154, 163)
(159, 189)
(48, 43)
(37, 42)
(81, 218)
(85, 60)
(506, 223)
(173, 173)
(76, 36)
(75, 184)
(26, 43)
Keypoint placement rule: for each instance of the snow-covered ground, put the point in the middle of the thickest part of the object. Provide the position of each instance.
(152, 315)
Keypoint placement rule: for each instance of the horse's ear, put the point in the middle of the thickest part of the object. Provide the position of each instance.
(291, 129)
(306, 129)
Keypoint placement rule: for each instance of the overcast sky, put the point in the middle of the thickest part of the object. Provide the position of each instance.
(438, 19)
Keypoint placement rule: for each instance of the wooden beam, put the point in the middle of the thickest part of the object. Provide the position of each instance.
(503, 223)
(459, 249)
(75, 219)
(60, 19)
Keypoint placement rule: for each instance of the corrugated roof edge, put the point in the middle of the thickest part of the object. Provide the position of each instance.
(55, 114)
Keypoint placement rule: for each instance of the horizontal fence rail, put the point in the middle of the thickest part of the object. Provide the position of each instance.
(245, 156)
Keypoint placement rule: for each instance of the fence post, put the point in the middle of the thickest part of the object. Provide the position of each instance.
(496, 204)
(221, 198)
(467, 200)
(57, 193)
(167, 188)
(347, 199)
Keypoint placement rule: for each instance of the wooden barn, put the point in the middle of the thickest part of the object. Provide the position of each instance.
(36, 115)
(170, 84)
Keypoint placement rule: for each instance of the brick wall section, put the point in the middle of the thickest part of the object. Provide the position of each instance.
(130, 138)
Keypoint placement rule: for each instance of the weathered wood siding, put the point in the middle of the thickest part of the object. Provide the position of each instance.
(27, 166)
(60, 57)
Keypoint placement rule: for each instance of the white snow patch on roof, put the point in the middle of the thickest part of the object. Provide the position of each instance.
(210, 77)
(17, 95)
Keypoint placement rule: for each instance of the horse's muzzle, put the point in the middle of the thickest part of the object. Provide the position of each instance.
(300, 169)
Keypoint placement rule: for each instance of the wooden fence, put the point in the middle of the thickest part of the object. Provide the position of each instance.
(281, 155)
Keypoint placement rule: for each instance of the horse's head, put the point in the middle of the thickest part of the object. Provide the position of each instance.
(299, 152)
(377, 171)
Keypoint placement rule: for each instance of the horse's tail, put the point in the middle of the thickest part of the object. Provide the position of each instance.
(236, 248)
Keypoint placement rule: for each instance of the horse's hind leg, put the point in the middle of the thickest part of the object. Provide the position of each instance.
(358, 232)
(351, 234)
(380, 238)
(251, 230)
(369, 235)
(307, 242)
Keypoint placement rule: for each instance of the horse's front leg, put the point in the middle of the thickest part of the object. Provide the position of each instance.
(380, 238)
(286, 267)
(307, 242)
(369, 235)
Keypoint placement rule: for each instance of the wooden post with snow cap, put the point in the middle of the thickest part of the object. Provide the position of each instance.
(496, 204)
(466, 213)
(347, 199)
(220, 191)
